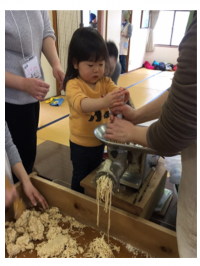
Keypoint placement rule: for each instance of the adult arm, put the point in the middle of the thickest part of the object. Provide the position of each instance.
(30, 191)
(49, 49)
(35, 87)
(177, 125)
(147, 112)
(150, 111)
(19, 171)
(130, 29)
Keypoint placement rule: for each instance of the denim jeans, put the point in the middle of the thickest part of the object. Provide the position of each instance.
(122, 60)
(84, 161)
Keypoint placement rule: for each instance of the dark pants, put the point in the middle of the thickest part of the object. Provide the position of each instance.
(22, 122)
(84, 161)
(122, 60)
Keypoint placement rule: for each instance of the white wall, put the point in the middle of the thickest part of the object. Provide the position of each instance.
(137, 42)
(47, 69)
(162, 54)
(138, 54)
(114, 26)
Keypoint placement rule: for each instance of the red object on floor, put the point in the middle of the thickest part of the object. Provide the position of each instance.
(148, 65)
(105, 156)
(175, 68)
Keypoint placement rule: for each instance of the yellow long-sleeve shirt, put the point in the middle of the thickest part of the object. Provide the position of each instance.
(82, 124)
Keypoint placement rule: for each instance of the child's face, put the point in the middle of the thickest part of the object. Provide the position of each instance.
(90, 71)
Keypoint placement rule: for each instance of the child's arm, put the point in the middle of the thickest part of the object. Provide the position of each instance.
(112, 99)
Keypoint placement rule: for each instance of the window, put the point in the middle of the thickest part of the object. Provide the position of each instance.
(170, 27)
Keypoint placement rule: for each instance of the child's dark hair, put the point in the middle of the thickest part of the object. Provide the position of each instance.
(86, 44)
(112, 49)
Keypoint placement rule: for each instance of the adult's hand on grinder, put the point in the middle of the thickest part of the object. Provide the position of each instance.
(124, 131)
(119, 130)
(10, 196)
(127, 111)
(36, 88)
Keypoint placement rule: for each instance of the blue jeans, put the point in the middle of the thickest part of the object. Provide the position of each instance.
(122, 60)
(84, 161)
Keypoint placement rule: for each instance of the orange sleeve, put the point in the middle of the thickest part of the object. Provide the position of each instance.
(74, 95)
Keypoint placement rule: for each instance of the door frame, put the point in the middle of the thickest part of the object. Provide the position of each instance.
(127, 57)
(54, 14)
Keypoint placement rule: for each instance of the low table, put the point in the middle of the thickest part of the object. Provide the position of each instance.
(53, 163)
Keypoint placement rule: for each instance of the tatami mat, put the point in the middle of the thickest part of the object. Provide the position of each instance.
(39, 141)
(50, 113)
(57, 132)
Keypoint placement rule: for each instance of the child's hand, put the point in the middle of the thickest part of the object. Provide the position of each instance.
(114, 98)
(126, 93)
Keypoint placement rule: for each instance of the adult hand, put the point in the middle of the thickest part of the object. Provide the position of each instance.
(59, 75)
(36, 88)
(10, 196)
(33, 194)
(127, 111)
(119, 130)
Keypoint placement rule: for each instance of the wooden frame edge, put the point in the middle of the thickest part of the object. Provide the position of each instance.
(54, 15)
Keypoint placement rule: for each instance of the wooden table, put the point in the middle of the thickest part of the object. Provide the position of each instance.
(125, 199)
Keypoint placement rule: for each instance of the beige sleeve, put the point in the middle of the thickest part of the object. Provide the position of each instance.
(177, 125)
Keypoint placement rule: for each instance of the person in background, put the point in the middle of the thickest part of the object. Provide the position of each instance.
(27, 35)
(93, 21)
(90, 94)
(13, 161)
(115, 66)
(126, 33)
(175, 131)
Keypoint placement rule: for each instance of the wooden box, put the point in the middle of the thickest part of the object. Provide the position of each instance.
(136, 231)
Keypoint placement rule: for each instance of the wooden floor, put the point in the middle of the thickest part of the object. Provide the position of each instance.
(144, 85)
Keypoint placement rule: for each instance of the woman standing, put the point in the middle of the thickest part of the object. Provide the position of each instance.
(27, 34)
(126, 33)
(175, 131)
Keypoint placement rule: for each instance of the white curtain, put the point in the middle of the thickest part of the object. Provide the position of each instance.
(67, 22)
(153, 19)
